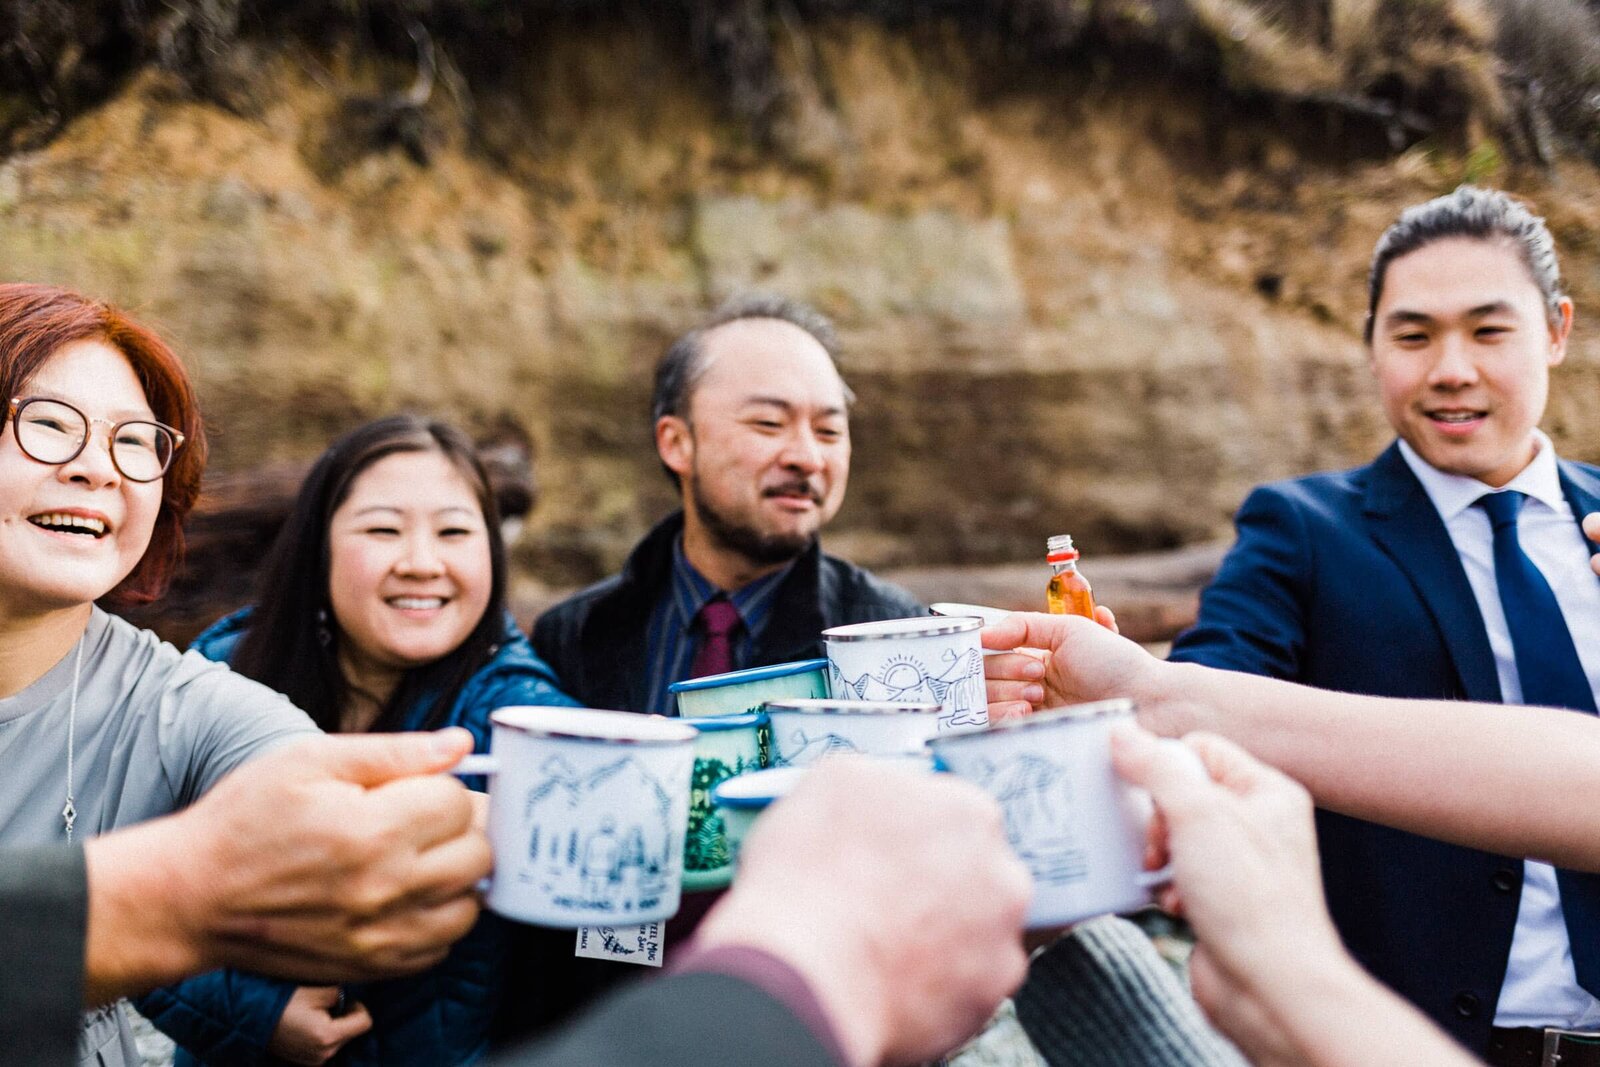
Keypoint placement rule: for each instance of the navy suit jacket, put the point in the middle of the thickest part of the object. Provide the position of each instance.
(1349, 581)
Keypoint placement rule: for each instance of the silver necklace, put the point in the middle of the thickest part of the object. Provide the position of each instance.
(69, 814)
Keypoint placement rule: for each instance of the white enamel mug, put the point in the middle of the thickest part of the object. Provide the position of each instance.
(1078, 826)
(587, 811)
(804, 731)
(925, 660)
(740, 801)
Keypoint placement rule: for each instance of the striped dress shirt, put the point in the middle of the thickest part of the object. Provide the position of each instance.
(671, 642)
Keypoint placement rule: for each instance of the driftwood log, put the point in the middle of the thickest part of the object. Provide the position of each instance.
(231, 530)
(1155, 594)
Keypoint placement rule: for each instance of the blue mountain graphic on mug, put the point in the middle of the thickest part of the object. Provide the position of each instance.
(801, 748)
(957, 684)
(600, 838)
(1036, 797)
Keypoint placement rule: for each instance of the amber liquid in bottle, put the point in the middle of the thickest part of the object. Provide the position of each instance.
(1068, 593)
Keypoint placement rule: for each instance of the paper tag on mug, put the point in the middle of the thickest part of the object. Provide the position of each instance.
(623, 944)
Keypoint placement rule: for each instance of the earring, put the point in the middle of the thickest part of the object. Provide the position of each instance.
(324, 635)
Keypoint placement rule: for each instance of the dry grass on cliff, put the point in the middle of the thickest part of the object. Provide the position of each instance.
(1523, 72)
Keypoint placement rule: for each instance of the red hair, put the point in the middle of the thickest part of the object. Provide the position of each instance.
(35, 322)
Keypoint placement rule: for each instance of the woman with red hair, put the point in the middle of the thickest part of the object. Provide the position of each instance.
(102, 724)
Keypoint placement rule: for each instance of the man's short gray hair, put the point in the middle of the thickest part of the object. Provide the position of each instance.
(684, 363)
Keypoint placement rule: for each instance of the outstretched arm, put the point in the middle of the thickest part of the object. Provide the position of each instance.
(1268, 966)
(331, 859)
(1440, 768)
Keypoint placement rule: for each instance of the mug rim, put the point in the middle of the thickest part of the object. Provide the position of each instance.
(749, 674)
(900, 629)
(989, 615)
(829, 706)
(1067, 713)
(568, 724)
(717, 723)
(786, 781)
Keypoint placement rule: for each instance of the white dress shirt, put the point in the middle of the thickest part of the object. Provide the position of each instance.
(1541, 988)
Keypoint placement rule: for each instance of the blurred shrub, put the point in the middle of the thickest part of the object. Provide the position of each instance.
(1526, 71)
(1552, 52)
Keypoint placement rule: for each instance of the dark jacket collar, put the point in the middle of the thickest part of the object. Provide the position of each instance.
(649, 565)
(621, 618)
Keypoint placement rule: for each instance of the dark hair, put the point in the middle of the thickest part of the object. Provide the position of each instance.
(283, 648)
(1479, 214)
(35, 322)
(684, 363)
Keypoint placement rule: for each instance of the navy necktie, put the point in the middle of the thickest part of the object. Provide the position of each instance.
(1551, 676)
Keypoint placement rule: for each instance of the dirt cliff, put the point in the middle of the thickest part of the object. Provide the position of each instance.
(1082, 296)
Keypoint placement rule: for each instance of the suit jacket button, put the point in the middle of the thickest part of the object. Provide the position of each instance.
(1505, 879)
(1466, 1005)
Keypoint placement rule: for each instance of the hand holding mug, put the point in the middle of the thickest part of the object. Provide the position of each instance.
(332, 859)
(1081, 662)
(1243, 854)
(893, 893)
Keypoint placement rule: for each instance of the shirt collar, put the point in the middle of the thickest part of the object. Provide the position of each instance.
(691, 589)
(1454, 493)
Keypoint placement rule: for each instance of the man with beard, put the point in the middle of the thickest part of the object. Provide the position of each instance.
(752, 422)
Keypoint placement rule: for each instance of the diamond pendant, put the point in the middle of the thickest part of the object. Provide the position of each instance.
(70, 814)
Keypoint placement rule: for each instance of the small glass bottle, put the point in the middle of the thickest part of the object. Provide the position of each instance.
(1068, 592)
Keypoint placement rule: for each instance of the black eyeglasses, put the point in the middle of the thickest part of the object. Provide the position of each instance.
(55, 432)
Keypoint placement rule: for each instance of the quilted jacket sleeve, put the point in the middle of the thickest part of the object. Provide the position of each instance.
(224, 1019)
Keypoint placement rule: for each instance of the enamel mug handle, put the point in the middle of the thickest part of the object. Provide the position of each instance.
(1156, 879)
(477, 764)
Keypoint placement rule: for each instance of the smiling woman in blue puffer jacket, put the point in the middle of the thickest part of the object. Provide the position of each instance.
(383, 609)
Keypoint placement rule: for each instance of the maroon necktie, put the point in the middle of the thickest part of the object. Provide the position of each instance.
(716, 620)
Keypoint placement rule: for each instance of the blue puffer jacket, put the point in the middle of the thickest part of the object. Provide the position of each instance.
(439, 1017)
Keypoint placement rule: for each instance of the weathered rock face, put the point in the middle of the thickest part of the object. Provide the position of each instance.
(1069, 301)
